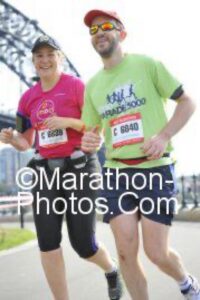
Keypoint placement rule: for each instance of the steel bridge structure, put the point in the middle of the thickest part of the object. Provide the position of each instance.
(17, 35)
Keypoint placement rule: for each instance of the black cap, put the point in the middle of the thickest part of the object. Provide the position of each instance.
(45, 40)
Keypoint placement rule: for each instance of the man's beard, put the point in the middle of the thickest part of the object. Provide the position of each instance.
(106, 53)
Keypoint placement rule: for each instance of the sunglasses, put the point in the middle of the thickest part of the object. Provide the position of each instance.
(107, 26)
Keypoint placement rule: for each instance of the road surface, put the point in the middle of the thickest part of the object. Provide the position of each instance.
(21, 276)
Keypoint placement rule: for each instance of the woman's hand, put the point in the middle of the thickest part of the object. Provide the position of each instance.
(56, 122)
(6, 135)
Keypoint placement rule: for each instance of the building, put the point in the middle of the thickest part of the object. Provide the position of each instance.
(11, 161)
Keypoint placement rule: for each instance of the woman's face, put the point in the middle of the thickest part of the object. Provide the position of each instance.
(47, 62)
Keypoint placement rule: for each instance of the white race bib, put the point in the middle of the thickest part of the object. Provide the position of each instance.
(50, 138)
(127, 130)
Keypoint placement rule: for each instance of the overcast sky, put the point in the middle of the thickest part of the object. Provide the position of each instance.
(166, 30)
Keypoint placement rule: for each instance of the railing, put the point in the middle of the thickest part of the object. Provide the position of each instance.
(18, 203)
(189, 191)
(188, 195)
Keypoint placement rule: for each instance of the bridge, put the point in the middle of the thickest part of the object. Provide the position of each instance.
(17, 35)
(6, 121)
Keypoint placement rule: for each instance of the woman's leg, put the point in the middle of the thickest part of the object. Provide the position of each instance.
(81, 224)
(48, 226)
(54, 269)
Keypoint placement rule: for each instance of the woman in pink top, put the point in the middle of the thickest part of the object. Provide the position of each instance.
(49, 115)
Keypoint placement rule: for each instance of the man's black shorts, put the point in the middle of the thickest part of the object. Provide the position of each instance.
(150, 192)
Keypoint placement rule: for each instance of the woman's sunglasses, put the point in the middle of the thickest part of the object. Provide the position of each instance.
(106, 26)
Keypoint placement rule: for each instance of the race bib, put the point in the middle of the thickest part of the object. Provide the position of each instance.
(127, 130)
(50, 138)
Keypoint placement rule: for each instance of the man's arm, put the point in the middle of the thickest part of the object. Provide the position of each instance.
(155, 147)
(91, 140)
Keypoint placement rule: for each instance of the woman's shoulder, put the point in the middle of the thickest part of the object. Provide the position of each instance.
(30, 90)
(29, 94)
(72, 79)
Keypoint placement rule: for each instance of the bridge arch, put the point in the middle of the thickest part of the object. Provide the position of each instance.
(17, 35)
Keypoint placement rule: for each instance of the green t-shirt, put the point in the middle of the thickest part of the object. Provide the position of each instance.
(136, 89)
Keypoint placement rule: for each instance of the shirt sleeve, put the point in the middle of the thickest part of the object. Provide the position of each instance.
(80, 87)
(23, 121)
(90, 115)
(166, 84)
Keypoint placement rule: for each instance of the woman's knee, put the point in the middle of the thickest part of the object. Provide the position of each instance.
(47, 243)
(50, 253)
(85, 248)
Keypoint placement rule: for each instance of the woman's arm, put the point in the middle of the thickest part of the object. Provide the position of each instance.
(20, 141)
(62, 123)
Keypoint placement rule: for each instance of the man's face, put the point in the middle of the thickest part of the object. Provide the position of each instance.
(105, 42)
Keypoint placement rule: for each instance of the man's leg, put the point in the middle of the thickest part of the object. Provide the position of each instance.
(125, 230)
(156, 236)
(155, 228)
(156, 246)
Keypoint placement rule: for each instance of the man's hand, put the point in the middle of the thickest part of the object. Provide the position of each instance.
(6, 135)
(91, 140)
(154, 147)
(55, 122)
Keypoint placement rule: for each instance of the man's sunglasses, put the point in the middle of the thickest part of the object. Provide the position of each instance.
(106, 26)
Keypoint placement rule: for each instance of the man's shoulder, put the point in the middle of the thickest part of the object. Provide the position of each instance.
(141, 58)
(135, 58)
(92, 80)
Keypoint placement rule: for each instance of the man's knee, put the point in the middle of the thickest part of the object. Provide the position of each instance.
(127, 248)
(125, 230)
(157, 256)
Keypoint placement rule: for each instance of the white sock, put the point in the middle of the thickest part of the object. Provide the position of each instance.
(112, 269)
(185, 283)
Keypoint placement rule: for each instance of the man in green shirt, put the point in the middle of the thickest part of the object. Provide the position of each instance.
(126, 100)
